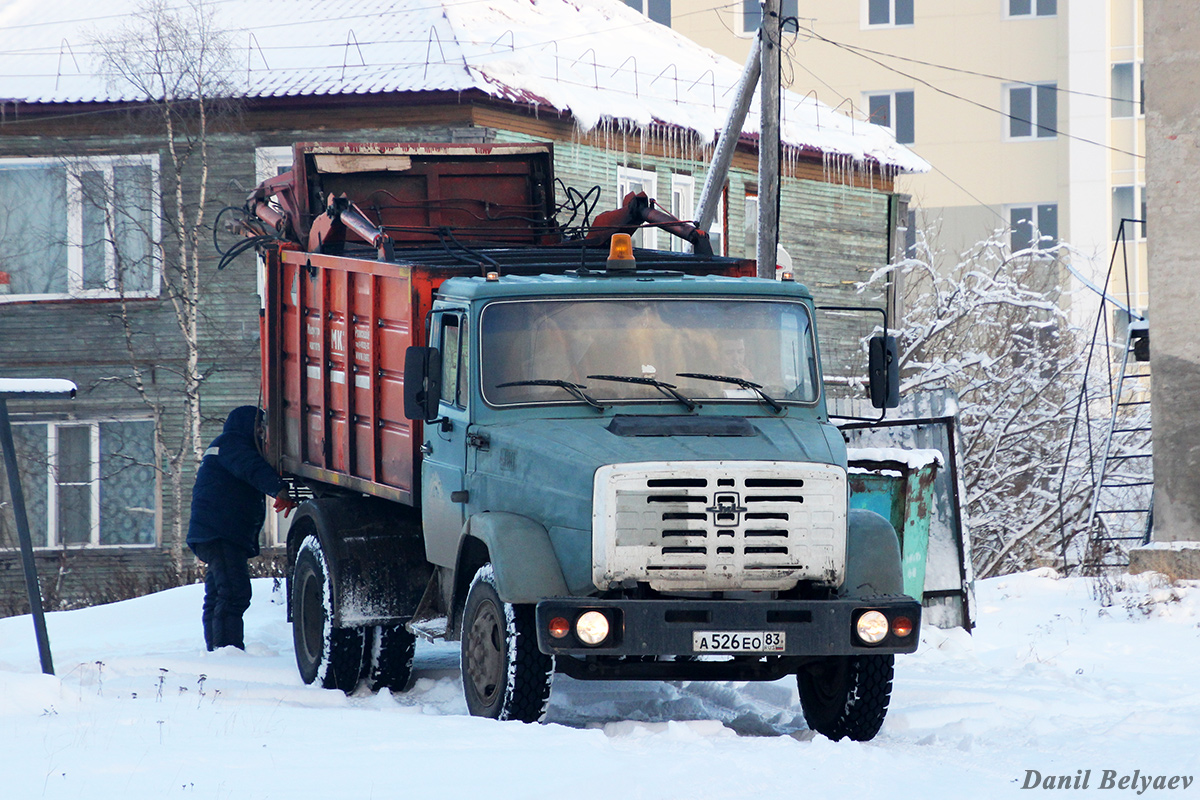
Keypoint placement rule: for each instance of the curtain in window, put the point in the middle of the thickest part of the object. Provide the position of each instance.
(33, 228)
(133, 215)
(30, 442)
(128, 485)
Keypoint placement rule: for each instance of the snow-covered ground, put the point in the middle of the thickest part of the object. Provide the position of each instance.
(1050, 681)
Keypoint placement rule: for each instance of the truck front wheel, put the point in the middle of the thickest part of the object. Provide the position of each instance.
(332, 657)
(846, 695)
(504, 674)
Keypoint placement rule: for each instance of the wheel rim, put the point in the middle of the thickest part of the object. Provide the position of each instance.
(485, 652)
(828, 682)
(312, 617)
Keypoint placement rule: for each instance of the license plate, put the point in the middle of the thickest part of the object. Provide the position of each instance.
(738, 641)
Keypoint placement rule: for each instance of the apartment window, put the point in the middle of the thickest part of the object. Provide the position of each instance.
(1032, 8)
(894, 111)
(79, 228)
(889, 13)
(657, 10)
(1128, 90)
(1033, 226)
(638, 180)
(1033, 111)
(86, 484)
(1129, 203)
(752, 14)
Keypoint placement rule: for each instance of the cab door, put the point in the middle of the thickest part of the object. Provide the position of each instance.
(443, 470)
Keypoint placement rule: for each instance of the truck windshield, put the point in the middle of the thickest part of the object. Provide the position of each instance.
(766, 342)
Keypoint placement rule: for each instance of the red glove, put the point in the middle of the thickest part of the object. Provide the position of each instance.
(284, 503)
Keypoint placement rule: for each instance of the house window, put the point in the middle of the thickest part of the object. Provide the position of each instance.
(889, 13)
(79, 228)
(1129, 203)
(716, 229)
(683, 189)
(86, 484)
(750, 231)
(657, 10)
(1033, 111)
(639, 180)
(1128, 90)
(1033, 226)
(1032, 8)
(894, 111)
(752, 15)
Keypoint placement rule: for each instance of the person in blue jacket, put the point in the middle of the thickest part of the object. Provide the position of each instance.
(228, 511)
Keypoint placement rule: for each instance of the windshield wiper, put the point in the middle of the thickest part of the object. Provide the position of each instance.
(574, 389)
(742, 382)
(667, 389)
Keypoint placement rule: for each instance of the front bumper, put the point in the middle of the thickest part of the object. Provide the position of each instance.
(666, 627)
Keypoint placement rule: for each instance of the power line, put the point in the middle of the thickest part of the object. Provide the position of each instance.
(858, 50)
(976, 103)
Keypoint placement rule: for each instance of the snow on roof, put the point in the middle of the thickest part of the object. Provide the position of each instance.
(597, 60)
(19, 386)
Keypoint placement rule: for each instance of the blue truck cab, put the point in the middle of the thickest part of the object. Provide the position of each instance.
(632, 475)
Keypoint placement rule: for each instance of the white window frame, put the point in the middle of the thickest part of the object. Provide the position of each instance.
(750, 224)
(51, 541)
(893, 116)
(74, 232)
(643, 6)
(787, 8)
(1032, 11)
(1035, 123)
(1137, 99)
(683, 206)
(1136, 231)
(267, 163)
(626, 177)
(865, 17)
(1033, 216)
(716, 229)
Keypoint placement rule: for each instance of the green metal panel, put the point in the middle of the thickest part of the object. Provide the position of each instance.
(904, 497)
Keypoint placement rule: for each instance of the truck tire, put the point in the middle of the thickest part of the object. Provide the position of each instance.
(846, 695)
(332, 657)
(504, 674)
(390, 657)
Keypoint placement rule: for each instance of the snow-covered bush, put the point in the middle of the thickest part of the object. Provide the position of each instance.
(993, 328)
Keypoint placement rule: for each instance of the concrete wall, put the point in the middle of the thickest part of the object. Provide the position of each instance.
(1173, 160)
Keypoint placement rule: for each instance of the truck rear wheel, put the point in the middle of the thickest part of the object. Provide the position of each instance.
(332, 657)
(390, 657)
(504, 674)
(846, 695)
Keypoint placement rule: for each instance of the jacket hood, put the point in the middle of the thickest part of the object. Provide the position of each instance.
(242, 421)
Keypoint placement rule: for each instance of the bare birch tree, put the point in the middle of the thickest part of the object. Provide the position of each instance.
(173, 61)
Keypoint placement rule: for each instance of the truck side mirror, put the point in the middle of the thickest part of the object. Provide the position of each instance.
(884, 370)
(422, 383)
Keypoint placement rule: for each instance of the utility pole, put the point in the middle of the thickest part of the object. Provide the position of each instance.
(768, 142)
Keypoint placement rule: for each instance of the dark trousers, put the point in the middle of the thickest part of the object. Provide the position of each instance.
(226, 593)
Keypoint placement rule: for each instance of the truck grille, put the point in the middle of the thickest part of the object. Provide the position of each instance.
(719, 525)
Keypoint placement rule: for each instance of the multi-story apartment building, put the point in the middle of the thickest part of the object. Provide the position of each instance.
(1030, 111)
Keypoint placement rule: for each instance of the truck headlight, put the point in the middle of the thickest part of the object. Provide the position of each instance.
(872, 627)
(592, 627)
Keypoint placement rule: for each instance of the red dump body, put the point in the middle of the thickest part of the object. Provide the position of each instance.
(347, 292)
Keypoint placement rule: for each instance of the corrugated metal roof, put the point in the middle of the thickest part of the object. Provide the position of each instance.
(595, 59)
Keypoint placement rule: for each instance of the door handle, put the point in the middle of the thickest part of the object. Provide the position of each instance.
(426, 448)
